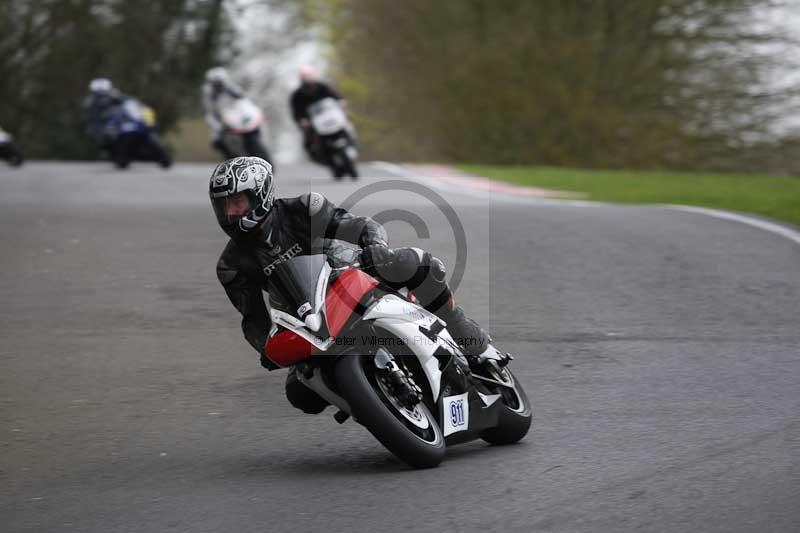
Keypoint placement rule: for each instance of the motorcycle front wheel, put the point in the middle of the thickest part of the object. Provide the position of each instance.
(413, 435)
(12, 155)
(157, 151)
(255, 147)
(121, 151)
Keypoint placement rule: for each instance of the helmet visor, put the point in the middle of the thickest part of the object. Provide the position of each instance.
(230, 209)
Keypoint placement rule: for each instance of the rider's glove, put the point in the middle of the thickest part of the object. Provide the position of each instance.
(376, 256)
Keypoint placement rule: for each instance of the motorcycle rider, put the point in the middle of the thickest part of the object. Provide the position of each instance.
(265, 231)
(102, 97)
(310, 91)
(218, 83)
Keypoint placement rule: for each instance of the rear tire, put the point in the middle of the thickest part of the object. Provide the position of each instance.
(371, 408)
(514, 417)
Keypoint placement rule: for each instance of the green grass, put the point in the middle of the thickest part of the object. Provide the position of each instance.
(771, 196)
(190, 141)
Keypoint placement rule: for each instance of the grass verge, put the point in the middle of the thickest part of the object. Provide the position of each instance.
(190, 141)
(771, 196)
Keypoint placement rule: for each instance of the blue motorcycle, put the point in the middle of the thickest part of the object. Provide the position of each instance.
(129, 134)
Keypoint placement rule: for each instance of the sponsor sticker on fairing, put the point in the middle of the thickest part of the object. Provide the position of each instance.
(456, 414)
(303, 309)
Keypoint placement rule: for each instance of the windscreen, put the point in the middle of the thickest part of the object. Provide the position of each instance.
(292, 284)
(323, 106)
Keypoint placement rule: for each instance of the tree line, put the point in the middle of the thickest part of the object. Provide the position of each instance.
(50, 49)
(679, 84)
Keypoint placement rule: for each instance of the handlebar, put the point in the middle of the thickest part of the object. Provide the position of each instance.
(351, 265)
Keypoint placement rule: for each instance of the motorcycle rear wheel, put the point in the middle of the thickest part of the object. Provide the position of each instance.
(418, 443)
(515, 416)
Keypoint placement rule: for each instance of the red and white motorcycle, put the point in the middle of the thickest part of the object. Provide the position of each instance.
(376, 355)
(243, 120)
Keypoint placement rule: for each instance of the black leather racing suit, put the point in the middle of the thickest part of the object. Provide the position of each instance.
(309, 93)
(301, 99)
(299, 226)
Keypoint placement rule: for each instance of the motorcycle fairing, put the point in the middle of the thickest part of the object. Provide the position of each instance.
(344, 297)
(287, 348)
(480, 411)
(125, 118)
(303, 337)
(439, 357)
(327, 116)
(241, 115)
(394, 307)
(298, 305)
(409, 322)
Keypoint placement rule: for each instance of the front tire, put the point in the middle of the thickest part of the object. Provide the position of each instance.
(157, 151)
(14, 156)
(121, 151)
(255, 147)
(372, 408)
(352, 171)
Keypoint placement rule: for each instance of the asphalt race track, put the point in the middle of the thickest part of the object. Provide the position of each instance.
(661, 350)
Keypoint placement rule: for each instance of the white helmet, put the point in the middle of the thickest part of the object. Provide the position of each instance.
(100, 86)
(217, 75)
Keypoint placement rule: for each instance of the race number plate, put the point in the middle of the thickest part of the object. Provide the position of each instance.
(456, 414)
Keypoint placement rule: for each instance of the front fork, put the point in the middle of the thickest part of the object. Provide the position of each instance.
(398, 380)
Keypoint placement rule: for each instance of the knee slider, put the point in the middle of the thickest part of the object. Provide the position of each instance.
(303, 398)
(405, 265)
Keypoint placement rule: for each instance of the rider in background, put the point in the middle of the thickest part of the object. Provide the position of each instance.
(218, 84)
(102, 97)
(310, 91)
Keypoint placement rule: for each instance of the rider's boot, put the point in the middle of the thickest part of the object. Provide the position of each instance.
(301, 396)
(467, 333)
(425, 276)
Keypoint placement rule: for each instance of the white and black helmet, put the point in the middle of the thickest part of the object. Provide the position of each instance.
(101, 86)
(249, 175)
(217, 75)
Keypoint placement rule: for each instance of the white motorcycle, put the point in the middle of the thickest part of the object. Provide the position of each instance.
(335, 137)
(243, 120)
(378, 356)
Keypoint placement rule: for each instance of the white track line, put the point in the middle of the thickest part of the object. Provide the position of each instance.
(771, 227)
